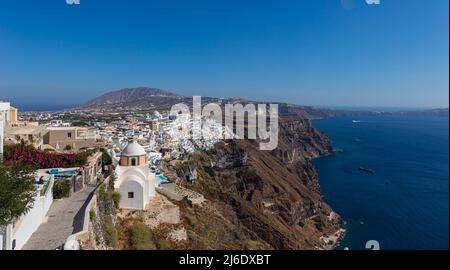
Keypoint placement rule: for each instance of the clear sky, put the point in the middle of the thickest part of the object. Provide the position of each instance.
(311, 52)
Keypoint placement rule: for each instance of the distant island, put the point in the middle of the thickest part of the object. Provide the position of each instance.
(154, 98)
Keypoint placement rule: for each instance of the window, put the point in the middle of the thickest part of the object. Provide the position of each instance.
(130, 195)
(133, 162)
(69, 135)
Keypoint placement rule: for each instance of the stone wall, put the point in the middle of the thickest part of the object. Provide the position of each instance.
(92, 170)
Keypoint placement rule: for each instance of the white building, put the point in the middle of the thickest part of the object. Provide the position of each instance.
(134, 182)
(4, 115)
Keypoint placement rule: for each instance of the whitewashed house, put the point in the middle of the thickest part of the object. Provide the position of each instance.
(4, 112)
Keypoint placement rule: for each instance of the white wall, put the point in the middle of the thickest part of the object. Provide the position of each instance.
(138, 180)
(4, 110)
(2, 136)
(151, 185)
(29, 223)
(135, 203)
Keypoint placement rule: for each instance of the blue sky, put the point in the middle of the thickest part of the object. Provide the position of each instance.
(312, 52)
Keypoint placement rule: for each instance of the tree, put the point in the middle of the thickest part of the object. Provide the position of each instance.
(68, 147)
(17, 191)
(106, 158)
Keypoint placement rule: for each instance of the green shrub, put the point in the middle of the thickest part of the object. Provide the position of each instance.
(61, 189)
(80, 124)
(111, 236)
(210, 171)
(112, 180)
(116, 198)
(179, 167)
(92, 215)
(68, 147)
(165, 244)
(141, 237)
(101, 193)
(145, 246)
(81, 159)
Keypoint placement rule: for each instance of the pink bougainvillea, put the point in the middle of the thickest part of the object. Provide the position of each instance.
(31, 156)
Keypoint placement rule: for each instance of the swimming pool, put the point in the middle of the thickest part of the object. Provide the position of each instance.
(161, 179)
(63, 171)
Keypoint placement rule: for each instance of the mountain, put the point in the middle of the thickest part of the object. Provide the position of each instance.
(133, 97)
(147, 98)
(158, 99)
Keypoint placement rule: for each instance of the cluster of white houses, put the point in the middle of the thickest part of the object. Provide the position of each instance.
(135, 182)
(135, 161)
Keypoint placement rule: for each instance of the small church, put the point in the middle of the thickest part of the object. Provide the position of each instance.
(134, 181)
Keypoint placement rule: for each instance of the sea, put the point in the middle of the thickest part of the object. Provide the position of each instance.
(401, 201)
(43, 108)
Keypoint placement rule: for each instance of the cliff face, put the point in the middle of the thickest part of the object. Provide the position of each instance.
(266, 199)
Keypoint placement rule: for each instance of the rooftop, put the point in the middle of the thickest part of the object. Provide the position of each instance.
(26, 130)
(67, 128)
(133, 149)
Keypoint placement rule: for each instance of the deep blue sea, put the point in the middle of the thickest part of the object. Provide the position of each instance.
(405, 204)
(42, 108)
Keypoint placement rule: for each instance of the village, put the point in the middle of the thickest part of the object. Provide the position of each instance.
(87, 170)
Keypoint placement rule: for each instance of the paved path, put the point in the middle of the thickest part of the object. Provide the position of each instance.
(65, 217)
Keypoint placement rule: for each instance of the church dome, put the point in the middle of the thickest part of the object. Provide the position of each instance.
(133, 155)
(133, 149)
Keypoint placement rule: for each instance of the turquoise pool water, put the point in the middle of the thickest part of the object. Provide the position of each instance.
(63, 172)
(160, 179)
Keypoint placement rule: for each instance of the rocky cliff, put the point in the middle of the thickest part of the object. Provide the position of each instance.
(260, 199)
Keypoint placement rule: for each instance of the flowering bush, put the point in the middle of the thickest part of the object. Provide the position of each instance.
(31, 156)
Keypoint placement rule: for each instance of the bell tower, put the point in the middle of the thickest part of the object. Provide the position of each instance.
(133, 155)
